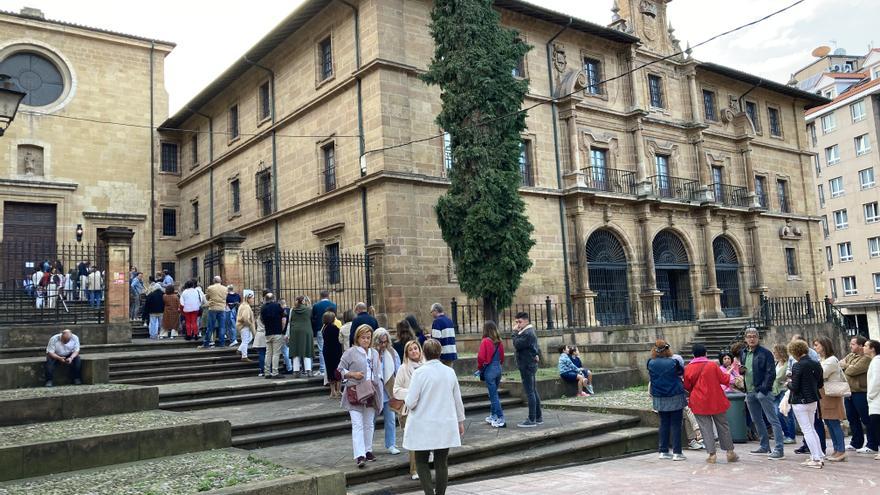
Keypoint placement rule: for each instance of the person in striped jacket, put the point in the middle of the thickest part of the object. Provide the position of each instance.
(443, 330)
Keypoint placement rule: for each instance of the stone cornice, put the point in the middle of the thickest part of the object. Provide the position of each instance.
(40, 184)
(124, 217)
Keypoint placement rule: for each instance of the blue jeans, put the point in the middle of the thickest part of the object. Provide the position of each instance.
(231, 331)
(758, 404)
(285, 351)
(670, 425)
(530, 387)
(492, 374)
(95, 298)
(836, 434)
(390, 425)
(857, 415)
(319, 340)
(154, 325)
(261, 358)
(216, 320)
(787, 422)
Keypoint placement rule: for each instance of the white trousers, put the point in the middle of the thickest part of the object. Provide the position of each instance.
(245, 340)
(805, 413)
(307, 367)
(362, 431)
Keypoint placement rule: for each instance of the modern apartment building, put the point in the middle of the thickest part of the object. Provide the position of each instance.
(844, 136)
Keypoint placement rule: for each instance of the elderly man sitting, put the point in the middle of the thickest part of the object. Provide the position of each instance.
(63, 348)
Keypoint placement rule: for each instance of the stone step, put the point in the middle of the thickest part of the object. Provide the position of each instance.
(575, 451)
(208, 402)
(231, 388)
(141, 346)
(69, 445)
(122, 365)
(187, 376)
(163, 370)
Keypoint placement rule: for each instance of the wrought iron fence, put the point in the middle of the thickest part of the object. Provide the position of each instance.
(797, 310)
(667, 186)
(610, 179)
(731, 195)
(50, 283)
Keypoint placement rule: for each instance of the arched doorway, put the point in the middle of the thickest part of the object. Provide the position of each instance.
(673, 277)
(727, 276)
(607, 269)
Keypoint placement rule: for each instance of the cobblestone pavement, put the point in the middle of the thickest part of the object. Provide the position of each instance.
(646, 474)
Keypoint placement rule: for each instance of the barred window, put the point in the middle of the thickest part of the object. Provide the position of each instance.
(195, 216)
(233, 123)
(264, 192)
(332, 253)
(655, 88)
(709, 105)
(592, 69)
(329, 155)
(235, 195)
(194, 268)
(791, 261)
(326, 54)
(775, 123)
(169, 157)
(169, 222)
(265, 101)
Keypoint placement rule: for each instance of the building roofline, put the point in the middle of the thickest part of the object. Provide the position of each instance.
(827, 56)
(854, 92)
(87, 28)
(812, 100)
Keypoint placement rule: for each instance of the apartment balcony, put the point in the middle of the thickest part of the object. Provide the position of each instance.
(728, 195)
(609, 180)
(669, 187)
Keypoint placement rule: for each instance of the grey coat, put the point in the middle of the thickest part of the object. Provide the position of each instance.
(354, 360)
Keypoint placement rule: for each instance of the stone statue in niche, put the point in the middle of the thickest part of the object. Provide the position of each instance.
(30, 160)
(787, 231)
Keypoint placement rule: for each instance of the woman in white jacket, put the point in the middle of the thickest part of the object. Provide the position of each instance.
(436, 417)
(872, 350)
(412, 360)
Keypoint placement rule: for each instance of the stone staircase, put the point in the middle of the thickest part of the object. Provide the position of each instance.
(717, 335)
(178, 365)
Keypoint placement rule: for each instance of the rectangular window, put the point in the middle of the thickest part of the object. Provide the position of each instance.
(844, 251)
(829, 93)
(718, 183)
(832, 155)
(829, 123)
(821, 196)
(863, 144)
(655, 88)
(835, 186)
(233, 123)
(329, 155)
(849, 286)
(195, 216)
(791, 261)
(782, 195)
(775, 121)
(326, 54)
(857, 110)
(818, 165)
(448, 161)
(833, 284)
(598, 168)
(876, 282)
(169, 157)
(170, 267)
(194, 268)
(265, 107)
(709, 105)
(264, 192)
(194, 149)
(811, 128)
(761, 190)
(525, 163)
(829, 258)
(841, 219)
(872, 215)
(752, 112)
(866, 178)
(519, 71)
(332, 253)
(169, 222)
(874, 247)
(592, 69)
(825, 226)
(235, 195)
(661, 167)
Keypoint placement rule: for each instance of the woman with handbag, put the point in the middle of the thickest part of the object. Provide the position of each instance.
(668, 398)
(703, 379)
(490, 358)
(359, 368)
(412, 359)
(835, 389)
(780, 354)
(806, 380)
(389, 363)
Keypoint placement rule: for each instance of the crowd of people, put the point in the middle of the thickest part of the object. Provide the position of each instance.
(49, 284)
(792, 383)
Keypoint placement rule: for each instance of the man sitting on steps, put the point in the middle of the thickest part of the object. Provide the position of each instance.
(63, 348)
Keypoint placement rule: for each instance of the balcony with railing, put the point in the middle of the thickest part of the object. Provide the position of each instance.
(667, 186)
(610, 180)
(728, 195)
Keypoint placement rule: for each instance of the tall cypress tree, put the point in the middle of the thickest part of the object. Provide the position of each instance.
(482, 216)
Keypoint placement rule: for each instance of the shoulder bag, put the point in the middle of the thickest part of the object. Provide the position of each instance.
(363, 393)
(482, 371)
(838, 388)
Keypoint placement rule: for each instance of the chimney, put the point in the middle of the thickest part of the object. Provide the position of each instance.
(32, 12)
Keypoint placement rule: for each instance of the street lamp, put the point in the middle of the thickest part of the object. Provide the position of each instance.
(10, 98)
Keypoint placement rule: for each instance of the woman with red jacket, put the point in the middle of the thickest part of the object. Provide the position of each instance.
(703, 379)
(489, 361)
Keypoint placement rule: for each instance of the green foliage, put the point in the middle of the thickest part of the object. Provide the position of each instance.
(482, 217)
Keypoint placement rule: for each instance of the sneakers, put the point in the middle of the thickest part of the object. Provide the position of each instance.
(776, 455)
(361, 462)
(527, 424)
(371, 457)
(233, 343)
(49, 384)
(864, 450)
(814, 464)
(759, 451)
(802, 450)
(788, 441)
(499, 423)
(590, 390)
(850, 448)
(678, 457)
(490, 419)
(732, 457)
(414, 477)
(665, 455)
(539, 421)
(696, 445)
(393, 450)
(318, 373)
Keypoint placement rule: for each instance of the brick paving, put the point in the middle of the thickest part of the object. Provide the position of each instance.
(646, 474)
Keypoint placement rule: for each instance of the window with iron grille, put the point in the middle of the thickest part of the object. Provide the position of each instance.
(169, 222)
(326, 53)
(655, 89)
(841, 219)
(194, 149)
(233, 123)
(844, 251)
(448, 160)
(782, 195)
(833, 284)
(829, 258)
(709, 105)
(752, 112)
(265, 101)
(195, 216)
(170, 267)
(235, 195)
(775, 122)
(169, 157)
(761, 190)
(264, 191)
(329, 155)
(791, 261)
(849, 286)
(333, 272)
(525, 163)
(194, 268)
(593, 71)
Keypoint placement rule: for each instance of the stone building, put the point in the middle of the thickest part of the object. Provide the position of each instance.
(844, 136)
(61, 165)
(678, 191)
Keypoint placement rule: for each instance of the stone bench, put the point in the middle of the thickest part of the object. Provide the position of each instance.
(30, 372)
(39, 405)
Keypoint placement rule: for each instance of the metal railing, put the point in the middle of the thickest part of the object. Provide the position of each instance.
(729, 195)
(610, 179)
(65, 303)
(667, 186)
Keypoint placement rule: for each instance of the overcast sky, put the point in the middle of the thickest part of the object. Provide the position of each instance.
(211, 35)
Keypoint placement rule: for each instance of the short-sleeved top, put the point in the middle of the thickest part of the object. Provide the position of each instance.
(271, 314)
(57, 346)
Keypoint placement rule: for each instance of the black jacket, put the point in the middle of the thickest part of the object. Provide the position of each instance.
(806, 380)
(763, 369)
(154, 303)
(526, 345)
(361, 319)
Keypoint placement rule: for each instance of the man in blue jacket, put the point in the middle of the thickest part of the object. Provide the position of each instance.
(318, 310)
(760, 372)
